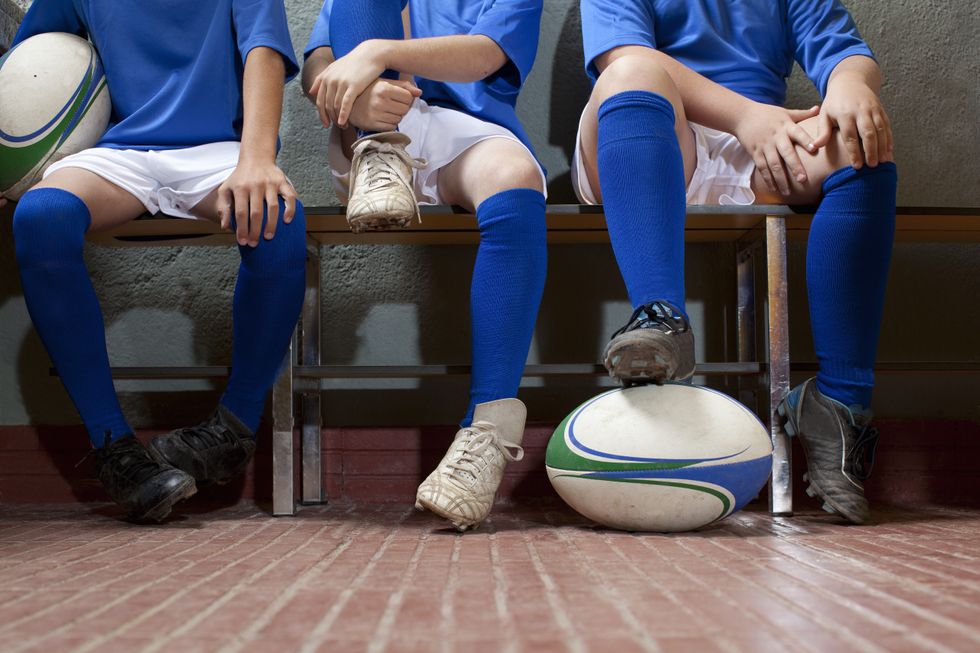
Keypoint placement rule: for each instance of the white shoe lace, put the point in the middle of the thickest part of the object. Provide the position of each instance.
(381, 169)
(472, 442)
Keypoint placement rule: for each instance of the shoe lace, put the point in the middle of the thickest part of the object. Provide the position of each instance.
(210, 434)
(861, 458)
(659, 314)
(128, 460)
(382, 169)
(471, 444)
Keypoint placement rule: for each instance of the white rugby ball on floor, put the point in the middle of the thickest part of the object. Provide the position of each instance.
(659, 458)
(55, 103)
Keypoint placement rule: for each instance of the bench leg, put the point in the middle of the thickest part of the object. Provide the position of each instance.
(312, 418)
(781, 484)
(283, 502)
(745, 320)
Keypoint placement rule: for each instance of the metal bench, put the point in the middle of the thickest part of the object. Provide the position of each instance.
(754, 232)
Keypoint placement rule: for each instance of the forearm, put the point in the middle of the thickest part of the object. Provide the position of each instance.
(461, 58)
(705, 102)
(315, 64)
(262, 91)
(859, 69)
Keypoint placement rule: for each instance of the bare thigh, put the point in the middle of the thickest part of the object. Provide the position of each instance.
(635, 76)
(818, 167)
(108, 204)
(489, 167)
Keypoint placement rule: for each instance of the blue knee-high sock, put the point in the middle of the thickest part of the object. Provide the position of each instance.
(641, 172)
(508, 280)
(49, 235)
(847, 260)
(355, 21)
(268, 300)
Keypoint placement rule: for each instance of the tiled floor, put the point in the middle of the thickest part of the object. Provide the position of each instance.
(343, 578)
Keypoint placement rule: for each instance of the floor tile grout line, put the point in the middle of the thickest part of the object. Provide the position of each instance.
(575, 641)
(121, 598)
(48, 588)
(230, 593)
(865, 645)
(839, 576)
(281, 601)
(775, 633)
(93, 588)
(613, 597)
(500, 586)
(124, 627)
(382, 632)
(448, 596)
(322, 627)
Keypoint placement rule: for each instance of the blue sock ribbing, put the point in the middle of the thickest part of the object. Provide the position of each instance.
(49, 234)
(847, 261)
(508, 280)
(355, 21)
(268, 300)
(641, 172)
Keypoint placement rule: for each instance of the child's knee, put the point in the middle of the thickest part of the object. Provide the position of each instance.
(49, 224)
(287, 248)
(636, 72)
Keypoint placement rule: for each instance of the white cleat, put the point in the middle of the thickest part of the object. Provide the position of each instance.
(462, 488)
(381, 195)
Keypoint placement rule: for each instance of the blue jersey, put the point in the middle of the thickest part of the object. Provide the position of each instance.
(174, 67)
(512, 24)
(747, 46)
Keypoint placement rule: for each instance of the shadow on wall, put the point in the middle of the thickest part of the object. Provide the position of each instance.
(570, 90)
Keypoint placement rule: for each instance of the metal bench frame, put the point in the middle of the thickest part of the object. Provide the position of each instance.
(754, 230)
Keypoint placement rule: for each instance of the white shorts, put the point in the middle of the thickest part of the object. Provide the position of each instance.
(439, 135)
(723, 174)
(168, 181)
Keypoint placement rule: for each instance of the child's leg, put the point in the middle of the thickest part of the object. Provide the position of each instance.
(50, 223)
(500, 179)
(638, 149)
(267, 304)
(848, 255)
(503, 183)
(355, 21)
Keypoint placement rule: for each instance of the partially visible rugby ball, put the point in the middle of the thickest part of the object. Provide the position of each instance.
(55, 103)
(659, 458)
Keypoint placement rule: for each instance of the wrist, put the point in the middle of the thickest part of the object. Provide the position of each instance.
(379, 52)
(256, 156)
(743, 115)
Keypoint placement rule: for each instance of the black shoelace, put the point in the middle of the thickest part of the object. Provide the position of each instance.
(128, 459)
(862, 455)
(661, 315)
(209, 435)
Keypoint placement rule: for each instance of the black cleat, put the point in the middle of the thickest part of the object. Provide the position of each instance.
(214, 452)
(839, 445)
(146, 488)
(655, 346)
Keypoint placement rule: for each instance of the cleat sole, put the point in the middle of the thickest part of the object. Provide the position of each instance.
(161, 510)
(459, 524)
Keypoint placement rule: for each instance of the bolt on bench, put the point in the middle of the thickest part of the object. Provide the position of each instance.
(754, 232)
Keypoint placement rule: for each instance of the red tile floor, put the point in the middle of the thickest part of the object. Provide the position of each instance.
(384, 578)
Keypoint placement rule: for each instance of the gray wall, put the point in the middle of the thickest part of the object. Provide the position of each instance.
(403, 304)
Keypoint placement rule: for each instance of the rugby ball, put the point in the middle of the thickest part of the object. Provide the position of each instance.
(659, 458)
(55, 103)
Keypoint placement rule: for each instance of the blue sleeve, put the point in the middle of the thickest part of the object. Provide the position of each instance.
(608, 24)
(515, 26)
(822, 34)
(51, 16)
(321, 30)
(262, 23)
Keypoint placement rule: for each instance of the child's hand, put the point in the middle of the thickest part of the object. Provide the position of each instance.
(245, 195)
(342, 82)
(383, 105)
(855, 109)
(3, 201)
(771, 134)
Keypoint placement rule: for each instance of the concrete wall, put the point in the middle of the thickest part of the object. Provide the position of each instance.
(403, 304)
